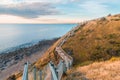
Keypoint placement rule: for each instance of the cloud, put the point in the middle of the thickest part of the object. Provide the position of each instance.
(31, 1)
(29, 10)
(94, 7)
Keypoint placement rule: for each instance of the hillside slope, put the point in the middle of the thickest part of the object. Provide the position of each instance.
(108, 70)
(92, 41)
(96, 40)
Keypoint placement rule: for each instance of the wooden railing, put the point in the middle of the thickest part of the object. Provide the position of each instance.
(65, 64)
(25, 73)
(54, 72)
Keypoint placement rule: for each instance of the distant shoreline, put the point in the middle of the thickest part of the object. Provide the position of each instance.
(13, 57)
(15, 35)
(23, 46)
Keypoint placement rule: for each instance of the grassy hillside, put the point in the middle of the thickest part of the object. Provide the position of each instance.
(97, 40)
(108, 70)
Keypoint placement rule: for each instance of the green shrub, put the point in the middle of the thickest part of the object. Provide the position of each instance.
(12, 77)
(112, 36)
(99, 54)
(82, 38)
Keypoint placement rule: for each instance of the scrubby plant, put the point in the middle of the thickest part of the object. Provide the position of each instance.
(12, 77)
(103, 19)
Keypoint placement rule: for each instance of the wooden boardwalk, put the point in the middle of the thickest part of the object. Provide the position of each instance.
(54, 72)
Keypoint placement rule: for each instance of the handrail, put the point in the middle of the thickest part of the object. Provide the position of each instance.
(25, 73)
(65, 64)
(34, 73)
(54, 73)
(57, 71)
(60, 69)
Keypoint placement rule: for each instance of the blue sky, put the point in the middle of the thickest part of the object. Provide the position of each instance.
(55, 11)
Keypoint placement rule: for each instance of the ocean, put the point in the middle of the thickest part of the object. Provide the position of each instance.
(13, 36)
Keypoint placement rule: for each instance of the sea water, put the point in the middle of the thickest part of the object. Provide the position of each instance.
(15, 35)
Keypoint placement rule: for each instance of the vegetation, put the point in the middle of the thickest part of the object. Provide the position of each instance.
(98, 41)
(12, 77)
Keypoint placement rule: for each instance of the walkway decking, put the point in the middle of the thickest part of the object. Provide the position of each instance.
(54, 72)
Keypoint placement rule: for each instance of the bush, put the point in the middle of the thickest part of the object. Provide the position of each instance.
(98, 47)
(86, 63)
(113, 52)
(69, 51)
(98, 38)
(99, 54)
(12, 77)
(112, 42)
(103, 19)
(82, 38)
(111, 36)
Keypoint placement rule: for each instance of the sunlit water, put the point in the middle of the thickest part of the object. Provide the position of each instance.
(14, 35)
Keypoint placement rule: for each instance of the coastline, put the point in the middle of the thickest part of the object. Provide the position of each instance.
(13, 61)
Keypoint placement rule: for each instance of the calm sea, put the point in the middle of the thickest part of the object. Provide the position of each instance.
(15, 35)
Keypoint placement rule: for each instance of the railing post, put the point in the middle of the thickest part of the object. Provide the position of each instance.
(64, 67)
(68, 65)
(34, 73)
(60, 69)
(53, 70)
(66, 62)
(71, 62)
(25, 73)
(40, 73)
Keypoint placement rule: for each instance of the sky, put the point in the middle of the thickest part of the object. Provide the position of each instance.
(55, 11)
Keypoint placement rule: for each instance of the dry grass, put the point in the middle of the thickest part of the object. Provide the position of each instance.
(97, 71)
(48, 56)
(102, 71)
(114, 59)
(97, 40)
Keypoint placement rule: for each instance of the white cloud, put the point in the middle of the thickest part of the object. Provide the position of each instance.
(94, 7)
(29, 10)
(30, 1)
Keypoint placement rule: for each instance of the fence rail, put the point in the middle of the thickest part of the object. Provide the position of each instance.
(25, 73)
(54, 72)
